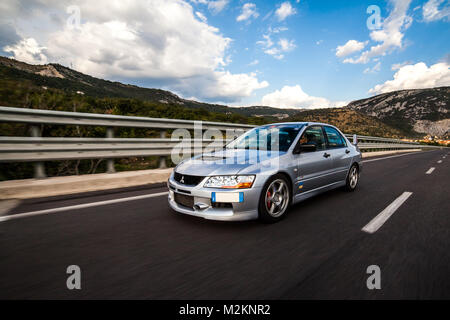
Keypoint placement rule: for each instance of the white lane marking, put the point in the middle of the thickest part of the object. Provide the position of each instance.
(430, 170)
(79, 206)
(384, 215)
(440, 161)
(400, 155)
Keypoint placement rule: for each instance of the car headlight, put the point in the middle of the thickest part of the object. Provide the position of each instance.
(230, 182)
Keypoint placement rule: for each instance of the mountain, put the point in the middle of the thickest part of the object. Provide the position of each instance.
(349, 121)
(60, 77)
(263, 111)
(414, 111)
(395, 114)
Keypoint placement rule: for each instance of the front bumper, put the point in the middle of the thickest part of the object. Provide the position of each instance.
(239, 211)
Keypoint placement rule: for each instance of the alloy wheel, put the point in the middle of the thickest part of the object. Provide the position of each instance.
(277, 198)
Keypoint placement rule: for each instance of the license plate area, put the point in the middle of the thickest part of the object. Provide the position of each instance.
(227, 197)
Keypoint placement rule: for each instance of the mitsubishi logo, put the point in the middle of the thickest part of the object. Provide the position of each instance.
(182, 179)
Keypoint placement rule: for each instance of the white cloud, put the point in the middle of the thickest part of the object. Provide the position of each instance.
(350, 47)
(28, 50)
(295, 97)
(284, 11)
(228, 85)
(278, 29)
(431, 12)
(416, 76)
(160, 42)
(217, 6)
(201, 16)
(374, 69)
(254, 62)
(284, 45)
(248, 11)
(267, 42)
(390, 36)
(397, 66)
(277, 51)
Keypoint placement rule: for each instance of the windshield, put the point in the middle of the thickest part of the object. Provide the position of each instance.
(269, 138)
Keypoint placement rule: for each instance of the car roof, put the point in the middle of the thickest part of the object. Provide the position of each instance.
(297, 123)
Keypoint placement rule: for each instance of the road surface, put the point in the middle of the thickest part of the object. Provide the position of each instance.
(141, 249)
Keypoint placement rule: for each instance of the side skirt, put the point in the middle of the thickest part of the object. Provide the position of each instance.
(312, 193)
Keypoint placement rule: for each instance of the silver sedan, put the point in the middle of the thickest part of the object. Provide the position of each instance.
(264, 171)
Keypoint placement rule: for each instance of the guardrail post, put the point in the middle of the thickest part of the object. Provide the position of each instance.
(110, 162)
(39, 167)
(162, 159)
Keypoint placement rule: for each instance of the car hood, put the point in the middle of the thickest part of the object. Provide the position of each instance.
(226, 162)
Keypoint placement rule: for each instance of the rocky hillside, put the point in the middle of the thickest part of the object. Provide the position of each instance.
(63, 78)
(349, 121)
(412, 111)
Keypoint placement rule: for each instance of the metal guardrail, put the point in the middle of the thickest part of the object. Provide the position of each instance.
(24, 149)
(36, 116)
(38, 149)
(380, 139)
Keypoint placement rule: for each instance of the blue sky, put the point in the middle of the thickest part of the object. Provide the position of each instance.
(300, 54)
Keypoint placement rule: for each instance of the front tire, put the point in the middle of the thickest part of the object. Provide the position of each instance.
(275, 199)
(352, 178)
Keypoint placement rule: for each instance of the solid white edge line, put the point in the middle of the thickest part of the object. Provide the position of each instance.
(399, 155)
(79, 206)
(384, 215)
(430, 170)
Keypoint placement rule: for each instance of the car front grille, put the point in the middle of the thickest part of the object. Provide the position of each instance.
(186, 201)
(187, 179)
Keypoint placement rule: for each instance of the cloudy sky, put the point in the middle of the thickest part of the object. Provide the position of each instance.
(300, 54)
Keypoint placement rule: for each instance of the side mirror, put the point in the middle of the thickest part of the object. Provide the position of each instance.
(304, 148)
(308, 147)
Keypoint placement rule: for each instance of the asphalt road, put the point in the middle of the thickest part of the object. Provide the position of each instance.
(141, 249)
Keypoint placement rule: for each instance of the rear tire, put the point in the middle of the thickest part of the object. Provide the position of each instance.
(275, 199)
(352, 178)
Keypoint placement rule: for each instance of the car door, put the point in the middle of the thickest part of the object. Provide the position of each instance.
(340, 154)
(313, 166)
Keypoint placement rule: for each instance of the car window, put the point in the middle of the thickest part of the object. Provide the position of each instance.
(335, 139)
(313, 135)
(270, 138)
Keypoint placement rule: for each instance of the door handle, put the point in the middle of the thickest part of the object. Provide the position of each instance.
(347, 151)
(326, 155)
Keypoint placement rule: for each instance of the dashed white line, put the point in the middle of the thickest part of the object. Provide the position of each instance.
(440, 161)
(79, 206)
(384, 215)
(390, 157)
(430, 170)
